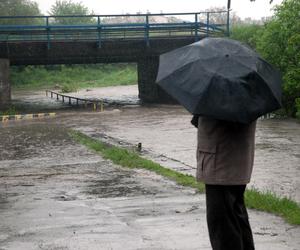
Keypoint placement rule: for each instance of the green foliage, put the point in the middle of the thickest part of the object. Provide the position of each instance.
(69, 87)
(67, 7)
(19, 8)
(279, 43)
(10, 111)
(291, 89)
(247, 33)
(77, 76)
(297, 104)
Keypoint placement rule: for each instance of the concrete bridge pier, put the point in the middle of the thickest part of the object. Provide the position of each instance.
(149, 91)
(5, 90)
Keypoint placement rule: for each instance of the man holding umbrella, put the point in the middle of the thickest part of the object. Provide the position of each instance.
(225, 155)
(226, 86)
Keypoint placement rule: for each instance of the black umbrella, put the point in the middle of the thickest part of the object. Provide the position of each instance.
(221, 78)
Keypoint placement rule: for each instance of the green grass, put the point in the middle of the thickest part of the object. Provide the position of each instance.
(9, 111)
(267, 202)
(297, 105)
(73, 77)
(69, 87)
(131, 159)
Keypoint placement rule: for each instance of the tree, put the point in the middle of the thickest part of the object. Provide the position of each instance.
(220, 17)
(67, 7)
(247, 33)
(279, 43)
(19, 8)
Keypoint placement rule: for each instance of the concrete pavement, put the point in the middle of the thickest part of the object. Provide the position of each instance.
(56, 194)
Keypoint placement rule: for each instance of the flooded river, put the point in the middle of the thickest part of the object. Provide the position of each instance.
(168, 137)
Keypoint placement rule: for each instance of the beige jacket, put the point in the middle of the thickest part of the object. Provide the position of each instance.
(225, 152)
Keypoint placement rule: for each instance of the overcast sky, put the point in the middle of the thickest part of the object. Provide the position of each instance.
(243, 8)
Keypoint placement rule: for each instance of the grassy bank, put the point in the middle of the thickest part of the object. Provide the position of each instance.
(132, 159)
(267, 202)
(9, 111)
(73, 77)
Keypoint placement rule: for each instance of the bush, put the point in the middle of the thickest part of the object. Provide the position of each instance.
(297, 104)
(291, 90)
(84, 76)
(279, 43)
(69, 87)
(10, 111)
(246, 33)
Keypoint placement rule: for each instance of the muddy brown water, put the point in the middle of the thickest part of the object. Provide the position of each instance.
(168, 137)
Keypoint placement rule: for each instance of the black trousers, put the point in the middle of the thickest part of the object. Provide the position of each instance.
(227, 218)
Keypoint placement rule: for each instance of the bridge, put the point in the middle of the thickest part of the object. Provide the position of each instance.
(139, 38)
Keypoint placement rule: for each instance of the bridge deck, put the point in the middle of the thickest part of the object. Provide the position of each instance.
(99, 28)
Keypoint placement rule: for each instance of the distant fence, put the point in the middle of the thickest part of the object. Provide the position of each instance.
(71, 100)
(106, 27)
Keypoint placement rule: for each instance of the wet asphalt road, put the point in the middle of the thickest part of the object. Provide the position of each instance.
(56, 194)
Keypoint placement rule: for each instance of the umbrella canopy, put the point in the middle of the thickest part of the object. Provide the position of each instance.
(221, 78)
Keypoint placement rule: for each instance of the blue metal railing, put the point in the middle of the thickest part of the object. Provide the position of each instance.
(103, 27)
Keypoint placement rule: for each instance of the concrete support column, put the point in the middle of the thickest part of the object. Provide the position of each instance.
(5, 91)
(149, 91)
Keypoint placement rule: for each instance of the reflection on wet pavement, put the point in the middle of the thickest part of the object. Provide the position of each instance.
(27, 141)
(117, 183)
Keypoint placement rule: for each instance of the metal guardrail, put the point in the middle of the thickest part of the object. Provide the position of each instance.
(106, 27)
(96, 104)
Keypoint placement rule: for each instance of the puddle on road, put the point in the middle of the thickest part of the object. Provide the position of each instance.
(33, 140)
(38, 153)
(116, 183)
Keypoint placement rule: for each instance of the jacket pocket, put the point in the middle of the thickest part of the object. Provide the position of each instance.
(206, 161)
(210, 148)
